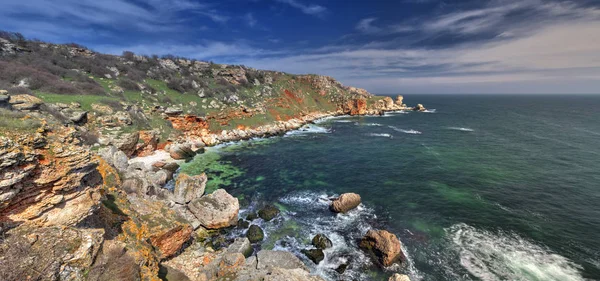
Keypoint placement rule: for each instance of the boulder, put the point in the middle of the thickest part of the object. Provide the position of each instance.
(399, 277)
(126, 142)
(255, 234)
(243, 224)
(169, 242)
(268, 212)
(4, 97)
(188, 188)
(181, 151)
(160, 178)
(419, 107)
(25, 102)
(114, 157)
(78, 117)
(173, 111)
(320, 241)
(240, 245)
(216, 210)
(315, 255)
(345, 203)
(252, 216)
(383, 246)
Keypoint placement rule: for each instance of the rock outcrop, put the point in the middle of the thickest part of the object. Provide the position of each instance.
(268, 212)
(345, 203)
(320, 241)
(419, 107)
(383, 246)
(216, 210)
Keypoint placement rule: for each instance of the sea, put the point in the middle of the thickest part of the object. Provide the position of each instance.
(478, 187)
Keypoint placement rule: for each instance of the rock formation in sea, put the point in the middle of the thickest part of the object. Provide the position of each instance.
(383, 246)
(345, 203)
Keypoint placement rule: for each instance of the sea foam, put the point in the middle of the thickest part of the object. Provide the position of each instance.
(414, 132)
(506, 256)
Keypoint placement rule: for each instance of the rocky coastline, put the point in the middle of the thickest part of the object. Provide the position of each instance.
(89, 182)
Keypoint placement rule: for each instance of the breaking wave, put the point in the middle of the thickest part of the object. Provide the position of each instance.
(308, 129)
(461, 129)
(368, 124)
(503, 256)
(430, 110)
(380, 135)
(414, 132)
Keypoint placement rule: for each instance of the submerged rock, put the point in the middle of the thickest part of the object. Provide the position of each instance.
(268, 212)
(188, 188)
(320, 241)
(345, 203)
(315, 255)
(255, 234)
(399, 277)
(383, 246)
(216, 210)
(251, 216)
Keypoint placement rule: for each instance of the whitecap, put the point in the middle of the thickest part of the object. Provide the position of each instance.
(504, 256)
(429, 110)
(461, 129)
(380, 135)
(308, 129)
(414, 132)
(343, 121)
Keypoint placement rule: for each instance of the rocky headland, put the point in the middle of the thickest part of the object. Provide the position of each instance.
(89, 144)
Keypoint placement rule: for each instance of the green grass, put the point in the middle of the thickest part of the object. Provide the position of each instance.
(85, 100)
(19, 121)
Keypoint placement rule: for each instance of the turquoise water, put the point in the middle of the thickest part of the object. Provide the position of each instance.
(482, 188)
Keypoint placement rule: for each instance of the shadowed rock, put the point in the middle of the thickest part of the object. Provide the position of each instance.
(383, 246)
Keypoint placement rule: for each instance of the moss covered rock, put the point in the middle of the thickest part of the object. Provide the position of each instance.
(268, 212)
(255, 234)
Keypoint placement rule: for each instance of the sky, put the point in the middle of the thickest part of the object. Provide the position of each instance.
(384, 46)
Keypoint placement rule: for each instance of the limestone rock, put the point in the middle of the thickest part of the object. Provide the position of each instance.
(216, 210)
(345, 203)
(114, 157)
(242, 246)
(181, 151)
(188, 188)
(278, 259)
(399, 277)
(383, 246)
(126, 142)
(320, 241)
(419, 107)
(169, 242)
(399, 100)
(25, 102)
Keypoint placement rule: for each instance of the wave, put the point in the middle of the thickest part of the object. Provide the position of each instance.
(308, 129)
(343, 121)
(380, 135)
(368, 124)
(429, 110)
(414, 132)
(503, 256)
(461, 129)
(307, 215)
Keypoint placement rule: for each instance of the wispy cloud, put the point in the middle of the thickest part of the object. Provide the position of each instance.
(250, 20)
(310, 9)
(366, 26)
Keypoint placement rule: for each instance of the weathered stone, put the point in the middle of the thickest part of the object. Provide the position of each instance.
(169, 242)
(345, 203)
(188, 188)
(252, 216)
(181, 151)
(25, 102)
(268, 212)
(320, 241)
(243, 224)
(114, 157)
(278, 259)
(255, 234)
(419, 107)
(315, 255)
(126, 142)
(216, 210)
(160, 178)
(173, 111)
(399, 277)
(242, 246)
(399, 100)
(383, 246)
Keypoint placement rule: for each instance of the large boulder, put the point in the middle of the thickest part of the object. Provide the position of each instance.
(126, 142)
(240, 245)
(419, 107)
(280, 259)
(315, 255)
(399, 100)
(399, 277)
(181, 151)
(216, 210)
(345, 203)
(114, 157)
(383, 246)
(170, 241)
(188, 188)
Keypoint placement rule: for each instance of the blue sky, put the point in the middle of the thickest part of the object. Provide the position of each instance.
(403, 46)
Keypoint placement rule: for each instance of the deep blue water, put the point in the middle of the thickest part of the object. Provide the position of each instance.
(500, 187)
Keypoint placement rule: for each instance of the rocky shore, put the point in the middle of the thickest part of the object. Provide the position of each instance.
(89, 182)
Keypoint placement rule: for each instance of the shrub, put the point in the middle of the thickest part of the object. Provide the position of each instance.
(128, 85)
(128, 55)
(19, 91)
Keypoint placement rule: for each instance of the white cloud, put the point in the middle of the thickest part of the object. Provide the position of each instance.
(311, 9)
(250, 20)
